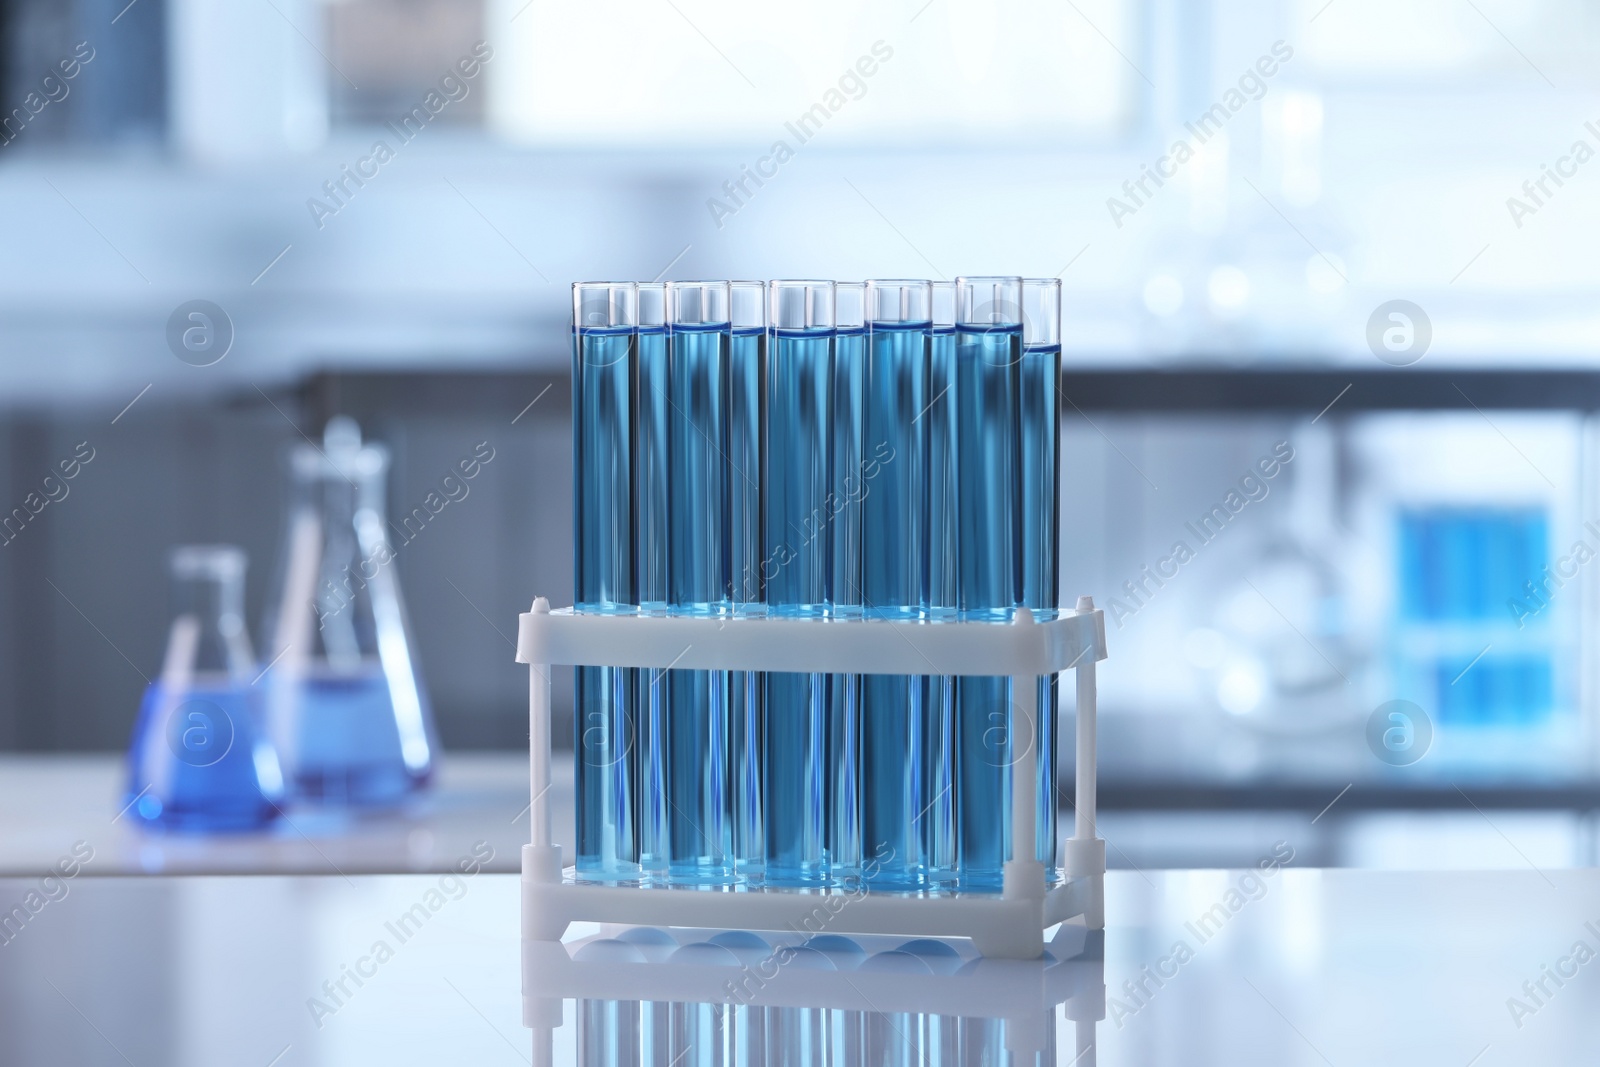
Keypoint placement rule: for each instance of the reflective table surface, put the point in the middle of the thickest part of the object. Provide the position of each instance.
(1295, 966)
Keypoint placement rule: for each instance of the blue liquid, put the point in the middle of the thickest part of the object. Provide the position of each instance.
(844, 712)
(938, 805)
(196, 763)
(746, 689)
(1041, 550)
(894, 585)
(989, 527)
(649, 686)
(699, 830)
(348, 747)
(602, 447)
(796, 565)
(603, 404)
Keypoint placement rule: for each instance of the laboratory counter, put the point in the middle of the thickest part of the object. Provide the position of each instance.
(48, 804)
(1276, 964)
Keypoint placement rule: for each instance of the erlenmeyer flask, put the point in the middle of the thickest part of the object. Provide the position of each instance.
(198, 760)
(345, 705)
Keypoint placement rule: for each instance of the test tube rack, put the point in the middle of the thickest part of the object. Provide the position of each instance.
(1005, 925)
(864, 975)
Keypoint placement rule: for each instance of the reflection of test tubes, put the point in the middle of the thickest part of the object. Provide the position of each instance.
(1040, 421)
(894, 579)
(604, 358)
(844, 713)
(988, 516)
(746, 376)
(698, 336)
(796, 564)
(608, 1032)
(650, 470)
(938, 810)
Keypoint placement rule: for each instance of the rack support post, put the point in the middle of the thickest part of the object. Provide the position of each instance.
(1086, 852)
(541, 859)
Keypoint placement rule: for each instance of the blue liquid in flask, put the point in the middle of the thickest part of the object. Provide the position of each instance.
(349, 751)
(197, 762)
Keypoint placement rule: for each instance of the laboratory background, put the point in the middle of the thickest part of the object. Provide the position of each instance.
(282, 274)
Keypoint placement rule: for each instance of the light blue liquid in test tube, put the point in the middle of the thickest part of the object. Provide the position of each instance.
(1040, 422)
(938, 829)
(796, 565)
(603, 368)
(894, 574)
(698, 336)
(989, 512)
(844, 712)
(650, 496)
(747, 355)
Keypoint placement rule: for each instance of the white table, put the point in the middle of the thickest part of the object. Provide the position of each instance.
(48, 803)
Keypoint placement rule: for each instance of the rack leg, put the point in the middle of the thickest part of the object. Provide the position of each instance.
(541, 860)
(1024, 874)
(1085, 852)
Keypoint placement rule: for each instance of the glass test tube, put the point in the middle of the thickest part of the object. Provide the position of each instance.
(604, 355)
(796, 565)
(988, 520)
(698, 337)
(746, 416)
(893, 572)
(938, 809)
(844, 713)
(650, 481)
(1040, 424)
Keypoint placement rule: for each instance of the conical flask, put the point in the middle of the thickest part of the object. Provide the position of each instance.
(345, 704)
(199, 760)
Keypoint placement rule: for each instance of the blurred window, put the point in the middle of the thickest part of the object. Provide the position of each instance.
(695, 72)
(1433, 40)
(395, 52)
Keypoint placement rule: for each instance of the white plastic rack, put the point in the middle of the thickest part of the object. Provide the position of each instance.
(1008, 925)
(865, 975)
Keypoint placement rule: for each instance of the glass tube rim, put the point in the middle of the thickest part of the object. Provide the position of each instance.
(706, 320)
(855, 326)
(924, 286)
(974, 283)
(629, 318)
(810, 288)
(748, 285)
(1053, 326)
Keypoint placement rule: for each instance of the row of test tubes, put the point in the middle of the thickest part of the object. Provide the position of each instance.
(882, 449)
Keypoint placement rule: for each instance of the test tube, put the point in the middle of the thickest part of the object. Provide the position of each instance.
(844, 713)
(604, 358)
(893, 572)
(650, 479)
(796, 564)
(746, 374)
(699, 846)
(988, 521)
(938, 809)
(1040, 431)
